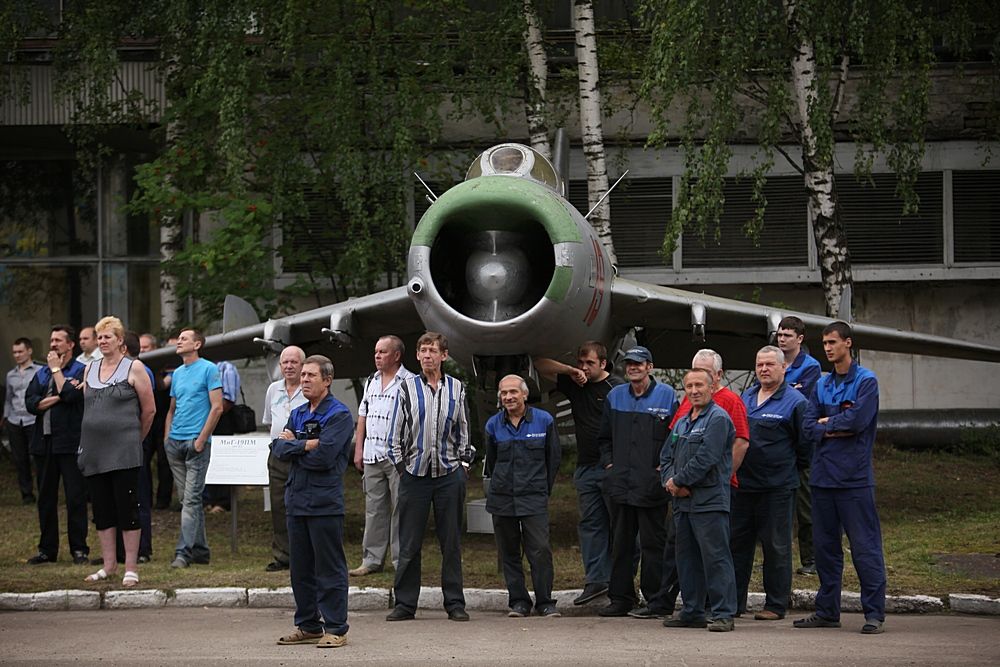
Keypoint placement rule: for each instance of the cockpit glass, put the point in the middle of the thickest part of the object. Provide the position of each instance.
(506, 160)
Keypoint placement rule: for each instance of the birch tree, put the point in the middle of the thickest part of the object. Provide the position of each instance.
(536, 81)
(590, 122)
(782, 69)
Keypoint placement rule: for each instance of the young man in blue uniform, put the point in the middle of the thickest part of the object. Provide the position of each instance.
(842, 418)
(317, 443)
(522, 459)
(765, 499)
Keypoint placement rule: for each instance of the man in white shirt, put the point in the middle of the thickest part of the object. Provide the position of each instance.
(371, 456)
(282, 397)
(88, 343)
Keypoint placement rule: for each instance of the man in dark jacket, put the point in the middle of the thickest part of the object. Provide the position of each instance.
(695, 467)
(317, 442)
(633, 429)
(54, 397)
(764, 502)
(522, 459)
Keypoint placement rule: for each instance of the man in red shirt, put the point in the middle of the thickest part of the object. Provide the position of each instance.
(730, 401)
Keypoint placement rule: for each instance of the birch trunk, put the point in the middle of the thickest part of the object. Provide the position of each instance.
(536, 82)
(170, 241)
(828, 230)
(590, 122)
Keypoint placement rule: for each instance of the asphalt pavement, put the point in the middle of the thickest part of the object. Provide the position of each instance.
(236, 636)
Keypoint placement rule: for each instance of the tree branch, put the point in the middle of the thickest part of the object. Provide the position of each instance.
(797, 167)
(838, 94)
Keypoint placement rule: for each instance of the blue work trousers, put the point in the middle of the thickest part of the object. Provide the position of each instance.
(705, 565)
(318, 569)
(851, 511)
(764, 517)
(594, 528)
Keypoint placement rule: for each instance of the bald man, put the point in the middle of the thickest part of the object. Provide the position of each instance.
(282, 397)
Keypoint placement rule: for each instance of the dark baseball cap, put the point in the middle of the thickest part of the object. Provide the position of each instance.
(638, 354)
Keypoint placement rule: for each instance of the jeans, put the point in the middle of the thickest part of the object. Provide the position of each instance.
(530, 533)
(381, 536)
(705, 565)
(189, 468)
(765, 517)
(594, 528)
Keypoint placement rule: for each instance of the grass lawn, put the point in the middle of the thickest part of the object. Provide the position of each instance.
(930, 503)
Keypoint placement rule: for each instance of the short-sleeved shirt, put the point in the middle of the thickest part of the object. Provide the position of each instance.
(190, 389)
(278, 405)
(376, 407)
(587, 404)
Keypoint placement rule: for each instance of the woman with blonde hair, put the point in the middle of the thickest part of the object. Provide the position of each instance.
(118, 411)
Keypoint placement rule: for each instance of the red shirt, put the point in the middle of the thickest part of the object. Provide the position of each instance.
(733, 405)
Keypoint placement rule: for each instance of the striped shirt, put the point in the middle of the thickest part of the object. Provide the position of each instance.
(377, 408)
(430, 427)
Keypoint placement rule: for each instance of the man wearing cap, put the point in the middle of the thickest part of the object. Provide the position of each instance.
(634, 427)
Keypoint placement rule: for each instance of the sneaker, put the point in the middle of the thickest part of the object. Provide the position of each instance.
(519, 611)
(808, 570)
(872, 627)
(399, 614)
(331, 641)
(364, 570)
(144, 558)
(40, 558)
(646, 611)
(614, 609)
(81, 558)
(300, 636)
(179, 563)
(721, 625)
(685, 623)
(549, 611)
(768, 615)
(591, 592)
(275, 566)
(815, 621)
(457, 614)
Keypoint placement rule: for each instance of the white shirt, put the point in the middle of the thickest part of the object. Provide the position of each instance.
(376, 407)
(85, 358)
(278, 406)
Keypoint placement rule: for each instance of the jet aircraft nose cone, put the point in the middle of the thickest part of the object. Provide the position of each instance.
(497, 276)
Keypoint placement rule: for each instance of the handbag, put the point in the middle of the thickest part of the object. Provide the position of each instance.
(244, 419)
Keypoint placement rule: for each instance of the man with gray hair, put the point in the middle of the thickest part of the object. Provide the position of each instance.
(282, 397)
(371, 457)
(522, 459)
(764, 502)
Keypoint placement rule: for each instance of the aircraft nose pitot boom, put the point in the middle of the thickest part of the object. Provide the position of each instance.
(502, 260)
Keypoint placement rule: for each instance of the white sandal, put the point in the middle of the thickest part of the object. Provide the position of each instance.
(100, 575)
(130, 580)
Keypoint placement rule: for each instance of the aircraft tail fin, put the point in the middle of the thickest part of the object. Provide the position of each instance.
(237, 313)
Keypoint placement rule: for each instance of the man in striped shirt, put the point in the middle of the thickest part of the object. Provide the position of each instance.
(430, 448)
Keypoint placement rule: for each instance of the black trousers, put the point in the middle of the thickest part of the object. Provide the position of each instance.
(531, 532)
(416, 495)
(50, 469)
(649, 523)
(20, 436)
(764, 517)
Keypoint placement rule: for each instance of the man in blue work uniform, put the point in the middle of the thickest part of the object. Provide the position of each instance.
(317, 443)
(842, 418)
(764, 502)
(802, 371)
(522, 459)
(633, 429)
(695, 467)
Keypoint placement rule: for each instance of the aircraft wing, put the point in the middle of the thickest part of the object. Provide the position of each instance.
(674, 320)
(353, 328)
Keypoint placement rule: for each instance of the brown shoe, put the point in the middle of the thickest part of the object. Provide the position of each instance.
(767, 615)
(363, 570)
(300, 636)
(332, 641)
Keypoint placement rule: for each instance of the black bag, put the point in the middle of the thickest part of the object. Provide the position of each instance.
(244, 419)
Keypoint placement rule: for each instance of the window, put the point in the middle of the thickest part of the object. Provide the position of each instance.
(976, 214)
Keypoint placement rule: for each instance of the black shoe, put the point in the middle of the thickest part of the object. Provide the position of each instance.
(615, 609)
(81, 558)
(457, 614)
(275, 566)
(685, 623)
(591, 592)
(400, 614)
(144, 558)
(721, 625)
(808, 570)
(549, 611)
(40, 558)
(815, 621)
(27, 500)
(97, 561)
(646, 611)
(201, 561)
(162, 506)
(519, 611)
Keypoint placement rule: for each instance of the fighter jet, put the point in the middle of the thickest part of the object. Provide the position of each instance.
(508, 269)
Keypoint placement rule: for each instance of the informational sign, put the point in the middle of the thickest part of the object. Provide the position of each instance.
(238, 459)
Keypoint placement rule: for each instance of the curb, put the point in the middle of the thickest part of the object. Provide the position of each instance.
(476, 599)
